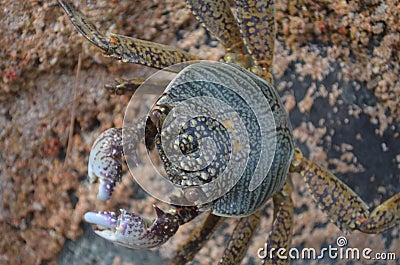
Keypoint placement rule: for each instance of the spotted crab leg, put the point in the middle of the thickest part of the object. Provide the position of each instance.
(257, 25)
(341, 204)
(219, 20)
(281, 232)
(240, 239)
(123, 86)
(199, 237)
(123, 48)
(133, 231)
(280, 236)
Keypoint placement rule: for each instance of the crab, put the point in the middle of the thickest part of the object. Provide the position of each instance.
(248, 39)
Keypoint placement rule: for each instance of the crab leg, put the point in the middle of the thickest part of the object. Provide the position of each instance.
(124, 48)
(341, 204)
(217, 17)
(124, 86)
(197, 239)
(383, 217)
(240, 239)
(281, 233)
(136, 232)
(280, 236)
(257, 25)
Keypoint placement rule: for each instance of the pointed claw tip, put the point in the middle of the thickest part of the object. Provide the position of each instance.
(106, 189)
(159, 212)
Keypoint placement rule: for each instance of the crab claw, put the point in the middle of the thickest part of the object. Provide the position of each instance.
(103, 163)
(133, 231)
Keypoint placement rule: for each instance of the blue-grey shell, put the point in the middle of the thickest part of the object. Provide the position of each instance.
(240, 200)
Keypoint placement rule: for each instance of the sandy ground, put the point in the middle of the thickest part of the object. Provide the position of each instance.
(336, 68)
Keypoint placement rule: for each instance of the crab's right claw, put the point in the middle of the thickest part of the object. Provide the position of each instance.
(103, 162)
(133, 231)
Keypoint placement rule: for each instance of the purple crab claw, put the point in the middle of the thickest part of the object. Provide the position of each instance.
(103, 163)
(133, 231)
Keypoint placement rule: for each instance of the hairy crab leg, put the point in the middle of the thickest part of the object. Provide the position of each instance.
(123, 48)
(341, 204)
(133, 231)
(257, 25)
(199, 237)
(281, 232)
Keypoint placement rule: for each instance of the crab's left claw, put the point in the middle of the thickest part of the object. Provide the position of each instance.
(136, 232)
(103, 162)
